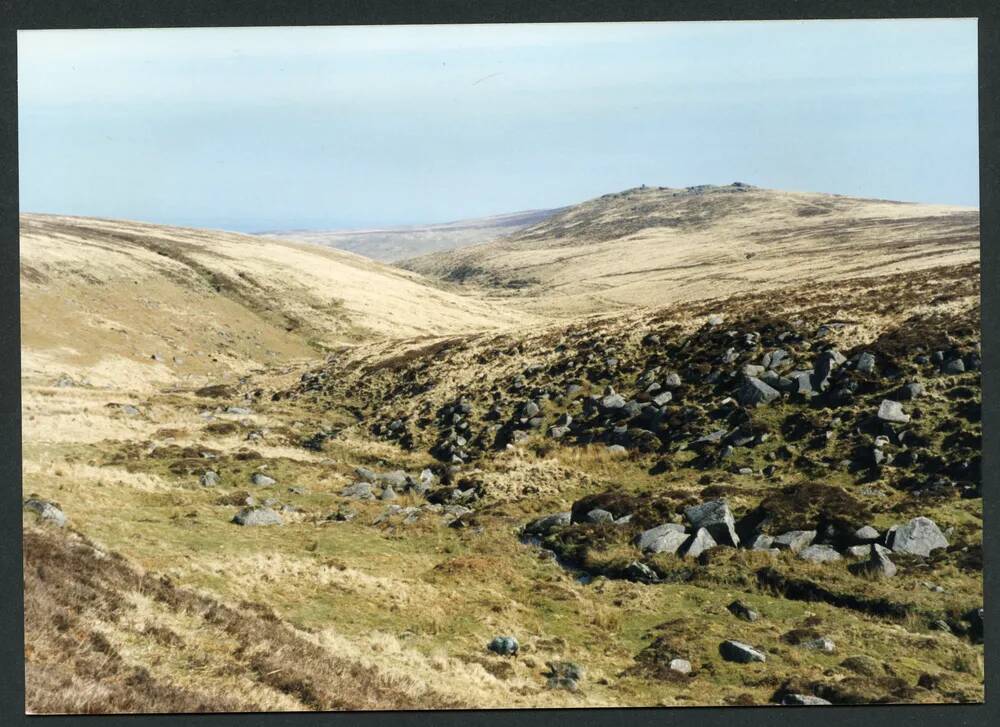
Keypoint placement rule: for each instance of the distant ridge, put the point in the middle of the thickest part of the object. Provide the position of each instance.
(393, 243)
(653, 245)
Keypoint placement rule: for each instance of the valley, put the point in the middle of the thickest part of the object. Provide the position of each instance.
(636, 453)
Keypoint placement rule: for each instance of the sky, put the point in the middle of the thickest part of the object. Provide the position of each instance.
(257, 129)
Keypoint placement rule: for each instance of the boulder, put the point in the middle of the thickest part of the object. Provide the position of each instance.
(663, 399)
(740, 653)
(359, 491)
(388, 493)
(597, 515)
(716, 517)
(821, 644)
(865, 363)
(892, 411)
(672, 380)
(667, 538)
(613, 401)
(395, 479)
(364, 474)
(640, 572)
(257, 516)
(698, 543)
(912, 390)
(820, 554)
(545, 524)
(794, 540)
(878, 564)
(919, 536)
(762, 542)
(803, 700)
(681, 666)
(753, 392)
(47, 511)
(865, 535)
(953, 366)
(262, 480)
(209, 478)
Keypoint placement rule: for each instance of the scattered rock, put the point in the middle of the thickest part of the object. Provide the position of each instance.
(257, 516)
(820, 554)
(892, 411)
(743, 611)
(740, 653)
(803, 700)
(210, 478)
(794, 540)
(878, 564)
(504, 646)
(821, 644)
(262, 480)
(667, 538)
(47, 511)
(919, 536)
(698, 543)
(681, 666)
(753, 392)
(545, 524)
(359, 491)
(716, 517)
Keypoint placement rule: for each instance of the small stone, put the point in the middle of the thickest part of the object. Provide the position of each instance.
(262, 480)
(892, 411)
(743, 611)
(257, 516)
(545, 524)
(681, 666)
(822, 644)
(803, 700)
(866, 363)
(954, 366)
(504, 646)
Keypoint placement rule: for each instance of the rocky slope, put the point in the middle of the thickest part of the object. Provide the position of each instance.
(772, 497)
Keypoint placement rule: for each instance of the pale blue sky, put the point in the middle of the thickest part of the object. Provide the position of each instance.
(278, 128)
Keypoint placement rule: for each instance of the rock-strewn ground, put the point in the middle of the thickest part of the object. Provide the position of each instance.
(594, 496)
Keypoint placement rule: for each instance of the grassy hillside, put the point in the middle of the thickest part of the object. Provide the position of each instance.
(653, 245)
(108, 299)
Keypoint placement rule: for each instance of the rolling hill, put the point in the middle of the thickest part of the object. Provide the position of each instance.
(117, 298)
(390, 244)
(657, 245)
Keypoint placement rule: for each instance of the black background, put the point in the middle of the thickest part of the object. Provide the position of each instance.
(28, 14)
